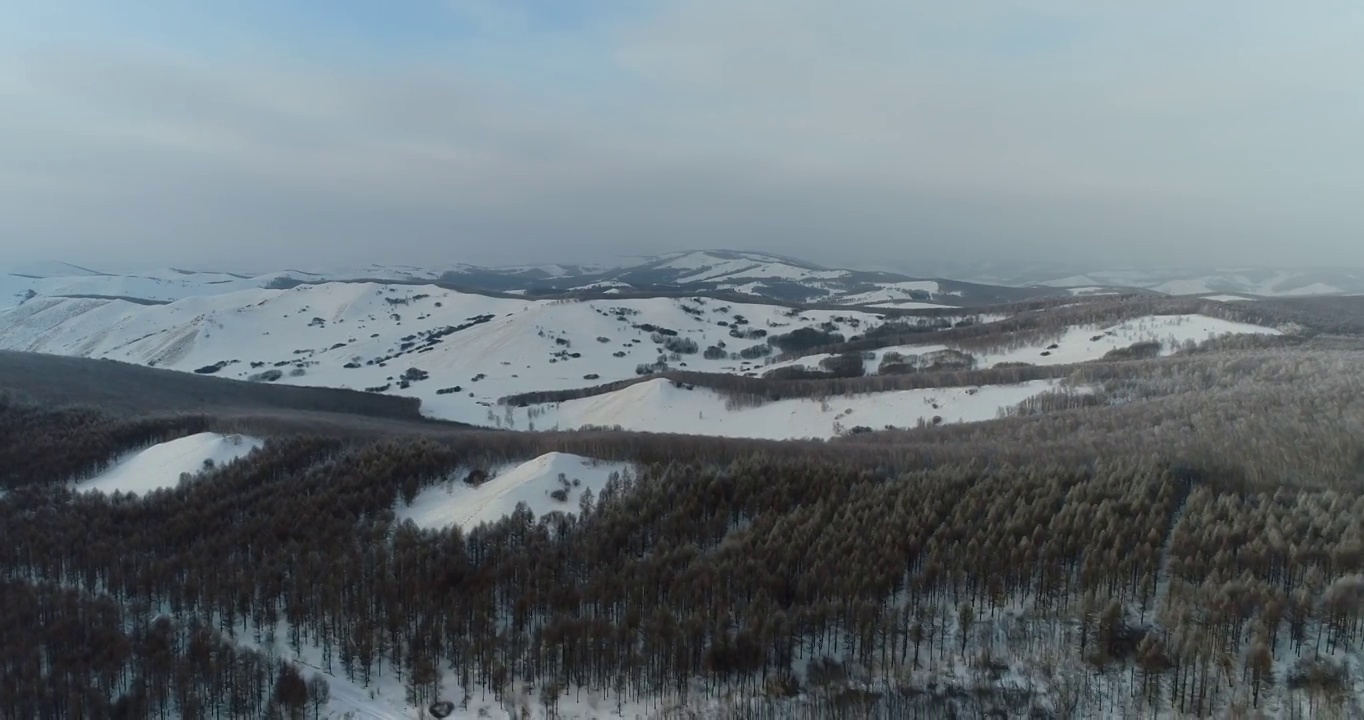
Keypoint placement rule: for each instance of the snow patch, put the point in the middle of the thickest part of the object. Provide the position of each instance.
(1091, 290)
(533, 483)
(160, 466)
(1084, 343)
(663, 407)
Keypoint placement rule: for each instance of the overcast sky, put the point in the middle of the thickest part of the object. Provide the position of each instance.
(265, 133)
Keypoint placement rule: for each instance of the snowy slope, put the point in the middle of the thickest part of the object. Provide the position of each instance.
(365, 335)
(1085, 343)
(897, 292)
(160, 466)
(660, 406)
(759, 274)
(1075, 344)
(164, 285)
(385, 696)
(460, 353)
(532, 482)
(730, 270)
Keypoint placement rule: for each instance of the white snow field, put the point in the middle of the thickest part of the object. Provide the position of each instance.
(162, 285)
(661, 406)
(367, 335)
(160, 466)
(532, 482)
(460, 352)
(1085, 343)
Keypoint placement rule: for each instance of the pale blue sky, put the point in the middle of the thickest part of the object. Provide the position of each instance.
(258, 133)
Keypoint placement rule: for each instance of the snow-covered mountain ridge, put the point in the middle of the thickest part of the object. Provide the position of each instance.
(715, 272)
(1254, 282)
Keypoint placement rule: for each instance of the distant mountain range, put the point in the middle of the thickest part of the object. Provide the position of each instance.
(757, 275)
(1256, 282)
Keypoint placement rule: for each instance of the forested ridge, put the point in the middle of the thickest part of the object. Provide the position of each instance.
(1184, 537)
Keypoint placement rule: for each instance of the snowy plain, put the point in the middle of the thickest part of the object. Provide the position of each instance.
(1085, 343)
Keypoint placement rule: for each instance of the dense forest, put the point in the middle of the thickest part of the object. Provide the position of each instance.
(1184, 537)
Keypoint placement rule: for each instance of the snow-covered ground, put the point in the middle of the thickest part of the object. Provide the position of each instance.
(460, 353)
(1074, 345)
(1085, 343)
(1091, 290)
(602, 285)
(533, 482)
(661, 406)
(161, 465)
(162, 285)
(1185, 286)
(365, 335)
(1227, 298)
(897, 293)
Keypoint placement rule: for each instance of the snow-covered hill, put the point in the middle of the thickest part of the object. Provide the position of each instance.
(663, 406)
(554, 482)
(458, 352)
(161, 465)
(744, 273)
(736, 273)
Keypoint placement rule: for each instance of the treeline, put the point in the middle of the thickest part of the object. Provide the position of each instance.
(1188, 545)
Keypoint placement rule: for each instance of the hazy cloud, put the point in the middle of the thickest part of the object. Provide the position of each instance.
(862, 132)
